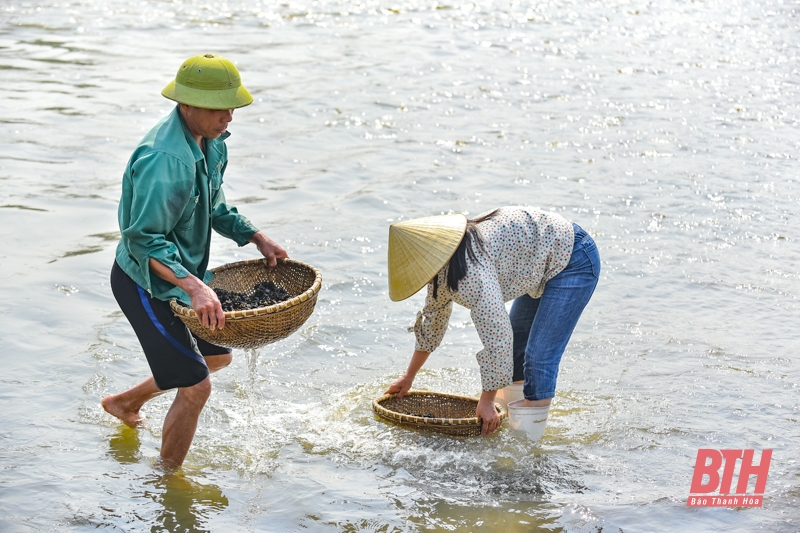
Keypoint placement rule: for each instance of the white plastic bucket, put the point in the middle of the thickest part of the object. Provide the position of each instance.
(509, 394)
(529, 420)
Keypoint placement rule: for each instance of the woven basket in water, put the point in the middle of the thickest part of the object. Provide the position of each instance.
(444, 413)
(254, 328)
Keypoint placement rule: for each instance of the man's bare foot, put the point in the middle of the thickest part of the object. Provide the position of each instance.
(114, 406)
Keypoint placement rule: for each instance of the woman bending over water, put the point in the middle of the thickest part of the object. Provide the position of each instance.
(548, 266)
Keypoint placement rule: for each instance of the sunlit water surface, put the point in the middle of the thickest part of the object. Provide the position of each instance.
(668, 130)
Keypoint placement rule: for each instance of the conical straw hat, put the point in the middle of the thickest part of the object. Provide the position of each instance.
(418, 249)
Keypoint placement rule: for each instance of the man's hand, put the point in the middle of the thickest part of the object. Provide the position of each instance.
(204, 300)
(268, 248)
(206, 304)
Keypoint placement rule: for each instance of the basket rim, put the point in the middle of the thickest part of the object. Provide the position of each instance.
(426, 421)
(306, 295)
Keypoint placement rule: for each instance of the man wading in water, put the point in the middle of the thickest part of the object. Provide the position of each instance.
(171, 200)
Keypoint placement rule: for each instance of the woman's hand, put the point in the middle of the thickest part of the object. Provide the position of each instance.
(401, 386)
(486, 411)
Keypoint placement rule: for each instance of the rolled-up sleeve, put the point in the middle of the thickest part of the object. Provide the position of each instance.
(161, 192)
(493, 325)
(432, 321)
(481, 293)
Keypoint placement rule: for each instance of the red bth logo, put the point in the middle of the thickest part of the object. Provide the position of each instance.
(712, 489)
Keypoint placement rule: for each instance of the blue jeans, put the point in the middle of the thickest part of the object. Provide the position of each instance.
(542, 326)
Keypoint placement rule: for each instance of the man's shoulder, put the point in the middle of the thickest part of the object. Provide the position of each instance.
(166, 140)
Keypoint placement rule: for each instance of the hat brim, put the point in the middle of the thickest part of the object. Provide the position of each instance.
(208, 99)
(418, 249)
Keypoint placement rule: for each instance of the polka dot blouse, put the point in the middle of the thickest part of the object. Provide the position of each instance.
(526, 247)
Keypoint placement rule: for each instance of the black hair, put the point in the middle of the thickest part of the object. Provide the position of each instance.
(457, 266)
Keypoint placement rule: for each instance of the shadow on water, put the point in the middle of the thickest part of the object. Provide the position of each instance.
(186, 505)
(509, 517)
(182, 504)
(124, 445)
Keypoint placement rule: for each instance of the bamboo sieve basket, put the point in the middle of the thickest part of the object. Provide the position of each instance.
(449, 414)
(254, 328)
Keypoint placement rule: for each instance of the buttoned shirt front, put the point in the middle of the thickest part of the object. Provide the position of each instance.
(171, 200)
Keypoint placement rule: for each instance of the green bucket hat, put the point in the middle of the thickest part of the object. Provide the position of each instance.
(208, 81)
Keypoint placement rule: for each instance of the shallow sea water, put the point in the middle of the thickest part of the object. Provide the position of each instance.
(667, 130)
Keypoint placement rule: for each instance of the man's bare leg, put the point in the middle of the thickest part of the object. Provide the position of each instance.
(217, 362)
(126, 405)
(180, 423)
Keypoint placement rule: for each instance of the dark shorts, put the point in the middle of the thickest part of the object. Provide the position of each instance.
(175, 355)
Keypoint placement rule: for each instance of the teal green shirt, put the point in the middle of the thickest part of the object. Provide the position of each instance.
(171, 199)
